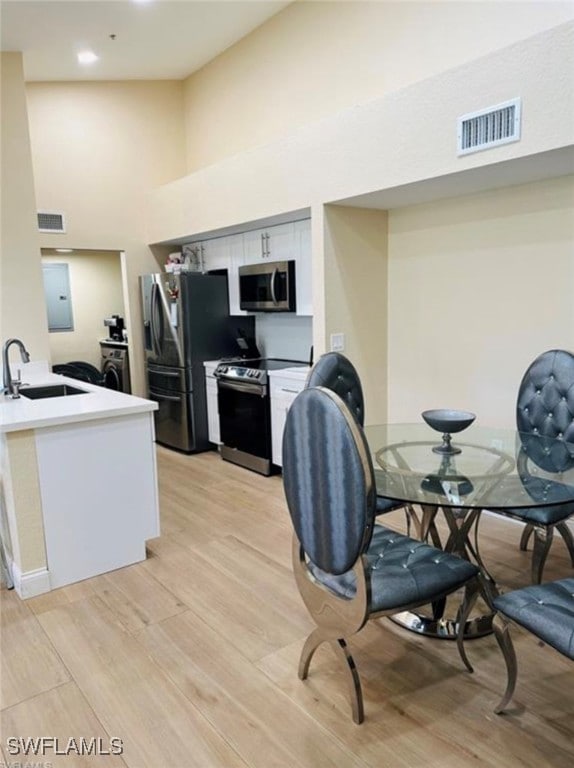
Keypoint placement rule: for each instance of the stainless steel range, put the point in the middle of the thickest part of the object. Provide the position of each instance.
(244, 410)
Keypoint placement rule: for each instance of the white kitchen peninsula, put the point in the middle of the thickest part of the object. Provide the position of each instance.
(79, 482)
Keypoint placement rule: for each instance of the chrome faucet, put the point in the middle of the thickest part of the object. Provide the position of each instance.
(11, 386)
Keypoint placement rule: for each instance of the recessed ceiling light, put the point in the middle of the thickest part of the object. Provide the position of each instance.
(64, 250)
(87, 57)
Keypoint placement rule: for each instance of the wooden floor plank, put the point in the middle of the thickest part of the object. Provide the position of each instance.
(264, 726)
(129, 694)
(29, 664)
(205, 584)
(62, 714)
(191, 657)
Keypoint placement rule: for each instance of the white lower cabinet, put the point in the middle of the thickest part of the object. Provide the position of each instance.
(284, 387)
(212, 407)
(98, 486)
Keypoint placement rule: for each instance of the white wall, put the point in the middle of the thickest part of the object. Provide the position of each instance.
(355, 295)
(405, 139)
(396, 148)
(478, 287)
(22, 305)
(316, 58)
(96, 291)
(98, 149)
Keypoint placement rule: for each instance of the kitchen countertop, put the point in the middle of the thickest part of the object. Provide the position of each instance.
(98, 402)
(299, 373)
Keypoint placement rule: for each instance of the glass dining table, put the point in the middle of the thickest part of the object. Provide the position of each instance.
(488, 469)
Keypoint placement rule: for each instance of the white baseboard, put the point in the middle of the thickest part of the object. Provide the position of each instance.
(31, 583)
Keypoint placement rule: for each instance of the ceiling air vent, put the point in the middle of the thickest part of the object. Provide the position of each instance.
(50, 221)
(489, 128)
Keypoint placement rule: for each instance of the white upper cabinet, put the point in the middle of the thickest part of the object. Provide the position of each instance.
(271, 244)
(215, 253)
(304, 271)
(283, 242)
(236, 259)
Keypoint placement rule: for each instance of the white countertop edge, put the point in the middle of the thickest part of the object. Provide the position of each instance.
(98, 403)
(298, 372)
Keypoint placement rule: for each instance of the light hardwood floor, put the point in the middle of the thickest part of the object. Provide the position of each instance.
(191, 657)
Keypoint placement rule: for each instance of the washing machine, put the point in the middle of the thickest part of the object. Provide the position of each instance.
(116, 365)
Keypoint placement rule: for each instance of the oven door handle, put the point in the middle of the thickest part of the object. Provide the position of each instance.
(240, 386)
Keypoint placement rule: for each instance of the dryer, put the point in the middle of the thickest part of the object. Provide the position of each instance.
(116, 365)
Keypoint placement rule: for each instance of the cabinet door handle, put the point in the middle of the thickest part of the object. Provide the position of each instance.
(267, 249)
(293, 391)
(262, 245)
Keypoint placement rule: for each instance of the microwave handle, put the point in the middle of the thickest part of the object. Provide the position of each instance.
(273, 278)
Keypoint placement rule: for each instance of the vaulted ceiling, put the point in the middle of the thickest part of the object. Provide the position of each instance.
(133, 39)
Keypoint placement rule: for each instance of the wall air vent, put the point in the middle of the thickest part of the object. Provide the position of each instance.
(51, 221)
(489, 128)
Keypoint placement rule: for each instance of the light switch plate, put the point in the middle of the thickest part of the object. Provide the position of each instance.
(337, 342)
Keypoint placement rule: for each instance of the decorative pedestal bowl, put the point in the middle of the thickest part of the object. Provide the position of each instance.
(447, 421)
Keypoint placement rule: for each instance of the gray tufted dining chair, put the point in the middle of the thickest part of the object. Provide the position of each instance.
(336, 372)
(545, 408)
(546, 610)
(348, 569)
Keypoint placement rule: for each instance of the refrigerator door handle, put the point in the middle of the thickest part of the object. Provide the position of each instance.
(154, 318)
(163, 372)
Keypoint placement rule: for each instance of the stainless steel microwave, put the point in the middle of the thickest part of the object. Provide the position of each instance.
(267, 287)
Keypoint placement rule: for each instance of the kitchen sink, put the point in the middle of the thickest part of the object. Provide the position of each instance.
(51, 390)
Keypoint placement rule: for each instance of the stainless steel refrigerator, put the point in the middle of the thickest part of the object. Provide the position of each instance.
(186, 321)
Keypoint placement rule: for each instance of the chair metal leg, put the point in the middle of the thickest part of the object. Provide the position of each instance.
(566, 534)
(542, 543)
(504, 640)
(526, 534)
(562, 528)
(353, 680)
(311, 644)
(438, 608)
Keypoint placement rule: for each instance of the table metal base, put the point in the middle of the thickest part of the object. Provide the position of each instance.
(461, 523)
(445, 629)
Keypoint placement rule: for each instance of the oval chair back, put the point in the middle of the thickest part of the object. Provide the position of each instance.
(545, 405)
(328, 480)
(335, 372)
(545, 408)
